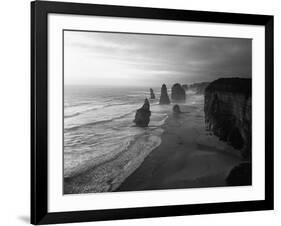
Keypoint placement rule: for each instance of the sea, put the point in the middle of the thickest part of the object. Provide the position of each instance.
(99, 127)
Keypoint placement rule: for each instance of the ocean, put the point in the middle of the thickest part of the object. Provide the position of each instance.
(99, 128)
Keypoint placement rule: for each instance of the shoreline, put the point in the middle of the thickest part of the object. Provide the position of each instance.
(188, 157)
(109, 175)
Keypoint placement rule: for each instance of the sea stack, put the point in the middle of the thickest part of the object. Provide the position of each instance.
(178, 92)
(176, 109)
(164, 98)
(228, 110)
(142, 116)
(152, 95)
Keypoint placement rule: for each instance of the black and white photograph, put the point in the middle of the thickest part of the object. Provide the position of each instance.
(155, 111)
(149, 112)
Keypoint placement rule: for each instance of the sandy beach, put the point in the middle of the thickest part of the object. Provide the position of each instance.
(188, 156)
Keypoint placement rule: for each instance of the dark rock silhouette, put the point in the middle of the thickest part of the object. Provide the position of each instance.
(176, 109)
(228, 110)
(240, 175)
(152, 95)
(164, 98)
(198, 88)
(142, 116)
(178, 92)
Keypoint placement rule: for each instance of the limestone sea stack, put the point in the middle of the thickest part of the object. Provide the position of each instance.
(178, 92)
(142, 116)
(164, 98)
(228, 110)
(176, 109)
(152, 95)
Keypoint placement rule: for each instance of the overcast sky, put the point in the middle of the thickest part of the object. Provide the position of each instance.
(95, 58)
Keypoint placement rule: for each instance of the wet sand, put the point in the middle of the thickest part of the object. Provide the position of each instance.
(188, 157)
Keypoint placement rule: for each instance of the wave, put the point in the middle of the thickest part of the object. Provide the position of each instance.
(138, 151)
(98, 122)
(93, 157)
(72, 115)
(80, 112)
(80, 103)
(154, 122)
(109, 171)
(159, 123)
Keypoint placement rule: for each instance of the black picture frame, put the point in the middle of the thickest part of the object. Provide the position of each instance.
(39, 112)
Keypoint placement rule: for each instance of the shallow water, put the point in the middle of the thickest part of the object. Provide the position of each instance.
(98, 127)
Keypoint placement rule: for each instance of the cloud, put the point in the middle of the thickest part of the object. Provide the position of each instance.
(141, 59)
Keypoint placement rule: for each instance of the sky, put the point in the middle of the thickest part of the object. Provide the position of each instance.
(121, 59)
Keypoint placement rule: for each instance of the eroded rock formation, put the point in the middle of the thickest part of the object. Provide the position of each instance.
(152, 95)
(164, 98)
(176, 109)
(178, 92)
(228, 110)
(142, 116)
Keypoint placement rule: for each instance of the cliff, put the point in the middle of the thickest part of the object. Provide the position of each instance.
(228, 111)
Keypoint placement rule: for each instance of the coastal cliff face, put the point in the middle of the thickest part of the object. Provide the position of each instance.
(228, 112)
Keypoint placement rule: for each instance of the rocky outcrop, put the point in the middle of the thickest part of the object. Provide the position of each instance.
(176, 109)
(198, 88)
(164, 98)
(240, 175)
(152, 95)
(178, 92)
(228, 110)
(142, 116)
